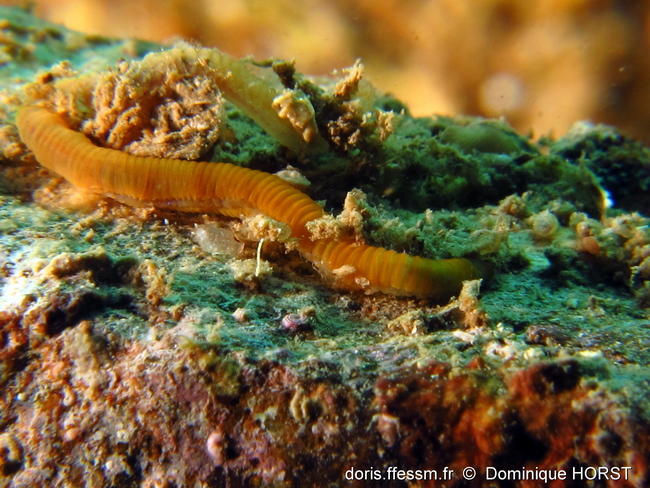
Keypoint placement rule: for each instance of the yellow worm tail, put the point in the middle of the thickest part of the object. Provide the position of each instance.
(236, 192)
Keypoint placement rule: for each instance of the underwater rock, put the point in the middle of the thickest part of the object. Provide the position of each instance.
(144, 347)
(622, 165)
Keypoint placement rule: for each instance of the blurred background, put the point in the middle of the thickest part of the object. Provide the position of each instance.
(542, 64)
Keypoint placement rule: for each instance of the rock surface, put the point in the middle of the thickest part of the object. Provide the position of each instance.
(142, 348)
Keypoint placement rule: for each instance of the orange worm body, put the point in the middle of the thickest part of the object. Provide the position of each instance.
(236, 192)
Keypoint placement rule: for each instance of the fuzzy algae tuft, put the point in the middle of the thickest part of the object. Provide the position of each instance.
(146, 345)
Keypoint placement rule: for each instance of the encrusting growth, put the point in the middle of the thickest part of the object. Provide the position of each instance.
(233, 191)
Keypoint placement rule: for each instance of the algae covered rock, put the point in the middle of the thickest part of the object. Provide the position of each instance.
(621, 164)
(146, 347)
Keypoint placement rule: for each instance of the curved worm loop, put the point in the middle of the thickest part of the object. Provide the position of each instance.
(237, 192)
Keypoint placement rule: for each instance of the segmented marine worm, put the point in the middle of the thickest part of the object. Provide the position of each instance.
(235, 192)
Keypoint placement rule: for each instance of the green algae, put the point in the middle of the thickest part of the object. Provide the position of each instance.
(436, 163)
(601, 318)
(248, 146)
(622, 165)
